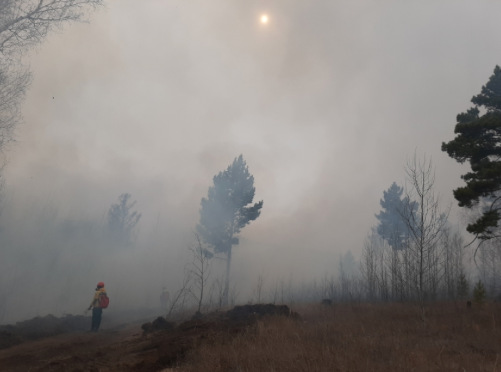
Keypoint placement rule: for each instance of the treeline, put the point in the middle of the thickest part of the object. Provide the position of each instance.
(414, 253)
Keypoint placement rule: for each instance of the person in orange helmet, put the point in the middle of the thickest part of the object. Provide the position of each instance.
(96, 306)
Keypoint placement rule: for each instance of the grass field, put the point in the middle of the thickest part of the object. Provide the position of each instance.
(362, 337)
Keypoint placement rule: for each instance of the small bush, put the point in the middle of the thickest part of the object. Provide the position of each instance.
(479, 292)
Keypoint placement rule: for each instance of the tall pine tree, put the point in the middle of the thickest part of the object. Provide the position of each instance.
(227, 209)
(478, 141)
(122, 219)
(392, 227)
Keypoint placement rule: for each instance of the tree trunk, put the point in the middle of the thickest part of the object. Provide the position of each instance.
(202, 280)
(227, 283)
(228, 263)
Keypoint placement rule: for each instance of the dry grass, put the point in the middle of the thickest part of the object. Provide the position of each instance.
(361, 338)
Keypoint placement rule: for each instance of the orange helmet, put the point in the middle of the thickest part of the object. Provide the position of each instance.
(100, 284)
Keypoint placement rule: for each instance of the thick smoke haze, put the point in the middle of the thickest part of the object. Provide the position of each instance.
(154, 97)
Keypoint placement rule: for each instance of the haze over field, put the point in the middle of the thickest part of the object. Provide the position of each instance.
(325, 101)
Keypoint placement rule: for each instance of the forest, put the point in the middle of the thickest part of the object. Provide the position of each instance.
(252, 186)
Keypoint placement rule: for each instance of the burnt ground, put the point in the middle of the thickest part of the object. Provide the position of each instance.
(41, 327)
(132, 347)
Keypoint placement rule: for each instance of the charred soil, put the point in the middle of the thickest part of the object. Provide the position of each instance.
(41, 327)
(160, 345)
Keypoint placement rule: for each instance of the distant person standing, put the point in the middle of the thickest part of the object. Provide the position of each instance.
(99, 302)
(164, 299)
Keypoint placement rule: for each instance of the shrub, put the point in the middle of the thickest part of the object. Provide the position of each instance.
(479, 292)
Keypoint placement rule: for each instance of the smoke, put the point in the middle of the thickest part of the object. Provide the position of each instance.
(154, 98)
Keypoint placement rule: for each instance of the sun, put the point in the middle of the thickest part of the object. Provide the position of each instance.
(264, 18)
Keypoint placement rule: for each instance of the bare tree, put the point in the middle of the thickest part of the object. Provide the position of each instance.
(233, 294)
(258, 291)
(274, 293)
(200, 270)
(327, 288)
(25, 24)
(283, 291)
(452, 244)
(488, 266)
(368, 266)
(13, 85)
(180, 297)
(425, 228)
(217, 287)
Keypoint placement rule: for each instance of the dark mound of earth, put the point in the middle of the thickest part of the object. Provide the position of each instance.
(260, 310)
(158, 324)
(8, 339)
(167, 344)
(41, 327)
(238, 313)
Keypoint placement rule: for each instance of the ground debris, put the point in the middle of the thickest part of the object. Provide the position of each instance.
(159, 324)
(172, 343)
(8, 339)
(260, 310)
(41, 327)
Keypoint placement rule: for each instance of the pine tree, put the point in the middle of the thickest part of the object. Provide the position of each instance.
(121, 218)
(226, 211)
(392, 227)
(479, 292)
(478, 141)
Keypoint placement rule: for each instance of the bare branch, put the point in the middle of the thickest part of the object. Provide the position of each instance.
(200, 269)
(26, 23)
(23, 25)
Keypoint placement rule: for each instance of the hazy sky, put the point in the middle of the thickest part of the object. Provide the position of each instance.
(325, 102)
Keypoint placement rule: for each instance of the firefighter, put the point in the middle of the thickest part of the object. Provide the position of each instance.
(99, 302)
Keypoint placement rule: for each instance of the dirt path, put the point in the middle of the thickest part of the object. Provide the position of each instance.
(126, 349)
(104, 351)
